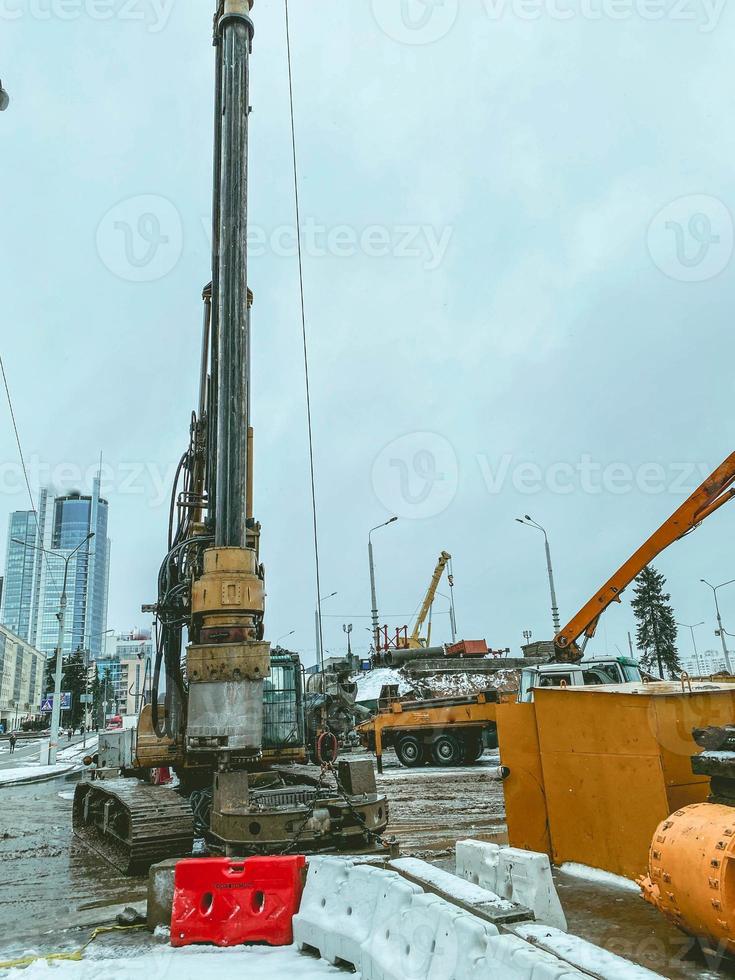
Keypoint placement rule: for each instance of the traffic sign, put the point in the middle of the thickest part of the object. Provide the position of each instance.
(47, 702)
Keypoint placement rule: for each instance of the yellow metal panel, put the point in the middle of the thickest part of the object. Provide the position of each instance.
(603, 809)
(582, 720)
(525, 802)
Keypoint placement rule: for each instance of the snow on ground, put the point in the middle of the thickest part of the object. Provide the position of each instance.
(582, 954)
(21, 773)
(190, 963)
(370, 685)
(487, 766)
(78, 750)
(599, 876)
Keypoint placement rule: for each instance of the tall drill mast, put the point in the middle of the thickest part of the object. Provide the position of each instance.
(227, 659)
(233, 40)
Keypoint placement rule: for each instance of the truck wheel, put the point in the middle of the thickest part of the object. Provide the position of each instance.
(473, 749)
(491, 737)
(410, 751)
(447, 751)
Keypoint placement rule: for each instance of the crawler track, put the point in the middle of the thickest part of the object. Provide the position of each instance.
(132, 824)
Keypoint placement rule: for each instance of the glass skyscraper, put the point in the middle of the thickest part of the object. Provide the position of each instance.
(63, 522)
(20, 568)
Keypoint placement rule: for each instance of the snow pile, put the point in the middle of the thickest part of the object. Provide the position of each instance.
(458, 685)
(21, 774)
(190, 963)
(370, 685)
(598, 876)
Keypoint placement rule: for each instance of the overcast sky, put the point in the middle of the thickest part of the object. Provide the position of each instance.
(519, 269)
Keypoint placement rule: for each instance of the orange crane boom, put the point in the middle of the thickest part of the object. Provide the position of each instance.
(716, 490)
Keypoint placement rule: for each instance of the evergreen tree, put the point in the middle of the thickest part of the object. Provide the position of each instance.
(74, 680)
(656, 632)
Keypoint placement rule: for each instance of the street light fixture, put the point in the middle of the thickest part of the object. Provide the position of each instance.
(61, 614)
(694, 642)
(4, 98)
(285, 635)
(376, 626)
(529, 522)
(715, 589)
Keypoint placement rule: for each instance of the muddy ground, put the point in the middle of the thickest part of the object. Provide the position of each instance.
(49, 885)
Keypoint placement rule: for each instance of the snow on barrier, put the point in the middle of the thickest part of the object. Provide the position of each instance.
(389, 929)
(519, 876)
(592, 959)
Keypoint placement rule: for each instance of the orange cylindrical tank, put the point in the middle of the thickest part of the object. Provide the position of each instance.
(691, 871)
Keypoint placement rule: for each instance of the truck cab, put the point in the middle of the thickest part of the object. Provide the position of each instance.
(597, 670)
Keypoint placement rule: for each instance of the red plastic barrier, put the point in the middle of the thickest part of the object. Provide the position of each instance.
(225, 902)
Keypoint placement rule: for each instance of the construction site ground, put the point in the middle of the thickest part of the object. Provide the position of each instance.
(53, 891)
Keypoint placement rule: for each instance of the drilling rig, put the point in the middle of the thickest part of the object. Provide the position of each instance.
(225, 714)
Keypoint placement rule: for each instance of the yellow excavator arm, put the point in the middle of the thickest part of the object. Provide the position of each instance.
(414, 641)
(713, 494)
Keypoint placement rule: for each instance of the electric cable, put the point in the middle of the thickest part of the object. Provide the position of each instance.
(297, 205)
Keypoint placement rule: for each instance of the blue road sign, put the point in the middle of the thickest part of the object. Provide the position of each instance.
(47, 702)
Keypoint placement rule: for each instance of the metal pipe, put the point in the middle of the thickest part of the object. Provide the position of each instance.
(231, 299)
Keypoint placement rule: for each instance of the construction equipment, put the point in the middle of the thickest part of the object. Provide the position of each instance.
(716, 491)
(455, 730)
(593, 770)
(691, 866)
(404, 640)
(447, 731)
(231, 711)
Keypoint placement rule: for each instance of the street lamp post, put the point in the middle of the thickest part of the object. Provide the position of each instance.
(715, 588)
(347, 627)
(373, 594)
(529, 522)
(285, 636)
(61, 616)
(318, 625)
(692, 628)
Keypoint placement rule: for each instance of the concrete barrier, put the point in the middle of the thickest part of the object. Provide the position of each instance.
(389, 929)
(520, 876)
(344, 904)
